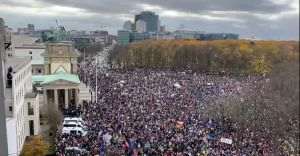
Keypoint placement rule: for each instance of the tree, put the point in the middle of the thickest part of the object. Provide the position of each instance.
(35, 146)
(55, 117)
(234, 56)
(271, 109)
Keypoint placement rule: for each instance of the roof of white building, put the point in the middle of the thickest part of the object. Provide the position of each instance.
(31, 46)
(17, 63)
(60, 74)
(20, 40)
(30, 95)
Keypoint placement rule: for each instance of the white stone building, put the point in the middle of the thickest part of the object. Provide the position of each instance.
(25, 46)
(34, 52)
(21, 104)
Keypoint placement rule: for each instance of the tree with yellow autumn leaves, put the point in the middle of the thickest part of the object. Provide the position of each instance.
(235, 56)
(35, 146)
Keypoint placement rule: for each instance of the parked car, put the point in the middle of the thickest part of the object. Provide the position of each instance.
(77, 121)
(74, 126)
(74, 130)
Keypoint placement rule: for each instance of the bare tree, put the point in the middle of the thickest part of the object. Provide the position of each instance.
(55, 119)
(270, 109)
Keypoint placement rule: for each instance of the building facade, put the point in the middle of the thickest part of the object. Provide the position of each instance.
(3, 134)
(100, 36)
(22, 104)
(60, 55)
(128, 25)
(151, 19)
(141, 26)
(136, 36)
(60, 83)
(30, 28)
(186, 34)
(123, 37)
(217, 36)
(34, 52)
(57, 84)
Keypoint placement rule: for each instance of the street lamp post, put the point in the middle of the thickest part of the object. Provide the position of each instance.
(96, 96)
(84, 76)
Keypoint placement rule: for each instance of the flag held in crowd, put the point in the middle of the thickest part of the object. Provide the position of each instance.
(226, 141)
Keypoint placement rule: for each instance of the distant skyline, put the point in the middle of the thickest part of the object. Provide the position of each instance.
(264, 19)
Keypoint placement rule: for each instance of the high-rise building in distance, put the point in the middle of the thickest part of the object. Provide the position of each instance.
(151, 19)
(30, 27)
(123, 37)
(141, 26)
(128, 25)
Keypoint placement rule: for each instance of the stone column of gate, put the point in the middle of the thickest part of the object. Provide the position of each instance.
(77, 97)
(55, 98)
(66, 98)
(45, 97)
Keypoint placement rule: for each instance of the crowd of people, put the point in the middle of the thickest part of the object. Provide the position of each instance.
(152, 112)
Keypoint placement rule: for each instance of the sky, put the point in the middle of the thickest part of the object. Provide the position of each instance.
(261, 19)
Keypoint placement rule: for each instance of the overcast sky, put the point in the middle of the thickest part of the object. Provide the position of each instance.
(264, 19)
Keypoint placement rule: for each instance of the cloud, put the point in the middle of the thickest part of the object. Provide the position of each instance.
(262, 6)
(48, 11)
(163, 12)
(263, 18)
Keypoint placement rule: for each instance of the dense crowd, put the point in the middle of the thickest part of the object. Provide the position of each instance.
(152, 112)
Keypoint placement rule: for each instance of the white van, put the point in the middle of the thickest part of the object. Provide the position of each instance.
(74, 130)
(77, 119)
(73, 119)
(71, 123)
(74, 126)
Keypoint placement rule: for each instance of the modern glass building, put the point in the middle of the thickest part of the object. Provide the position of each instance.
(151, 19)
(217, 36)
(123, 37)
(128, 25)
(136, 37)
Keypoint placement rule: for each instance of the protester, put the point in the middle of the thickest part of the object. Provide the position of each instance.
(153, 112)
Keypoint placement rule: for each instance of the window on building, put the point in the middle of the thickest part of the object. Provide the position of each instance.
(10, 108)
(30, 109)
(31, 127)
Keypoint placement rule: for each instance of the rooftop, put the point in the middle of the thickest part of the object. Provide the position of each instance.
(20, 40)
(60, 74)
(17, 63)
(30, 95)
(37, 62)
(68, 49)
(31, 46)
(60, 43)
